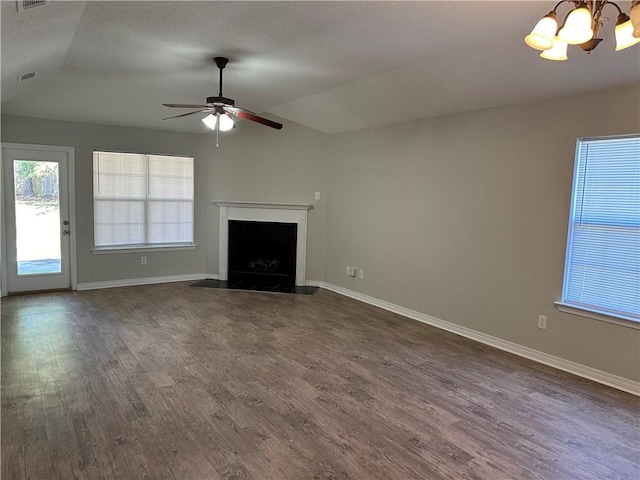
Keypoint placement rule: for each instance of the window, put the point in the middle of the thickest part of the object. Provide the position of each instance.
(602, 269)
(142, 200)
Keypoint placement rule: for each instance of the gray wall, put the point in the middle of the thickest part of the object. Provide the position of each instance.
(464, 218)
(253, 163)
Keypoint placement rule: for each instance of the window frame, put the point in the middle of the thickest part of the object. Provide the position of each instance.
(577, 309)
(141, 247)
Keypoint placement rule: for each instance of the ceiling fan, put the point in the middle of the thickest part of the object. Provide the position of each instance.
(221, 108)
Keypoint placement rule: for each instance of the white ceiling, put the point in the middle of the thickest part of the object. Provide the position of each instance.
(332, 66)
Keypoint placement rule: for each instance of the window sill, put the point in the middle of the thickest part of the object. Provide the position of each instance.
(142, 248)
(599, 315)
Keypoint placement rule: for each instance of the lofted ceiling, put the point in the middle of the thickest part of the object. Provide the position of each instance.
(331, 66)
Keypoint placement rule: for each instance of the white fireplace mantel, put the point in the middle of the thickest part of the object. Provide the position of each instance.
(263, 212)
(278, 206)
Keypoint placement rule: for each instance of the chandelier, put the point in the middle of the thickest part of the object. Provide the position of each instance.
(581, 27)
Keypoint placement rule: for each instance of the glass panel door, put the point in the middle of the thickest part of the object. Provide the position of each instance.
(36, 204)
(37, 211)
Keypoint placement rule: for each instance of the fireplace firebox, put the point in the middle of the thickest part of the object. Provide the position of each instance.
(262, 254)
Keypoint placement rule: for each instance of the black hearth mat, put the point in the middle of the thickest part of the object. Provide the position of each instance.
(254, 286)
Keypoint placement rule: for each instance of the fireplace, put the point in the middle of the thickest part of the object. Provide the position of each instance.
(262, 254)
(292, 214)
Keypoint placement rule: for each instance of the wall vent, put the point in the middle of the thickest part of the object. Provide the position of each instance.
(26, 76)
(29, 4)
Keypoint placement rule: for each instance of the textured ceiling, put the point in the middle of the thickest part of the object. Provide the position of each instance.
(332, 66)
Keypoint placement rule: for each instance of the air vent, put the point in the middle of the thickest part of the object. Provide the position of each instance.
(29, 4)
(26, 76)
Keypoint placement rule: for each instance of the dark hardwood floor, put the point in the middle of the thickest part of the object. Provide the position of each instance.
(172, 381)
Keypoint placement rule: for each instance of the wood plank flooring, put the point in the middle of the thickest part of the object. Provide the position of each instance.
(178, 382)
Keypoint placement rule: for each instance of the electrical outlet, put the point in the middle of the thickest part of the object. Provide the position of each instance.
(542, 322)
(348, 272)
(143, 260)
(361, 273)
(317, 195)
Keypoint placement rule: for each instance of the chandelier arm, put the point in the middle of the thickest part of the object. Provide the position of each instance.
(611, 3)
(576, 3)
(593, 5)
(560, 3)
(597, 14)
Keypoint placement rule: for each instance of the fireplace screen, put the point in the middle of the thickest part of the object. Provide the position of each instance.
(262, 253)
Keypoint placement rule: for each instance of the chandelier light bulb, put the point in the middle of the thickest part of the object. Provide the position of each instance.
(578, 27)
(624, 33)
(558, 52)
(635, 18)
(541, 37)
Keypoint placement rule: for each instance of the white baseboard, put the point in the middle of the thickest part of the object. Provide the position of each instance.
(129, 282)
(314, 283)
(578, 369)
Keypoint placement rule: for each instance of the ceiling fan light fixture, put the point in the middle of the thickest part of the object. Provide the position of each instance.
(578, 26)
(226, 122)
(210, 121)
(624, 33)
(558, 52)
(541, 37)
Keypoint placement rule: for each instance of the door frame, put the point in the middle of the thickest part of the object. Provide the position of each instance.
(70, 151)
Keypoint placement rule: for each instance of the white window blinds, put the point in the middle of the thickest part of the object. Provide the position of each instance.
(602, 270)
(142, 199)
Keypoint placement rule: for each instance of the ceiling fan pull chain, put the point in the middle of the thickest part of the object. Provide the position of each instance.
(217, 133)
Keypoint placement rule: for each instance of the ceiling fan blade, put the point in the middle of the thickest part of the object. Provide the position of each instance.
(183, 105)
(247, 115)
(190, 113)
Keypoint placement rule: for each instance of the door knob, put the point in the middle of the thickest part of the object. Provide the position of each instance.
(66, 222)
